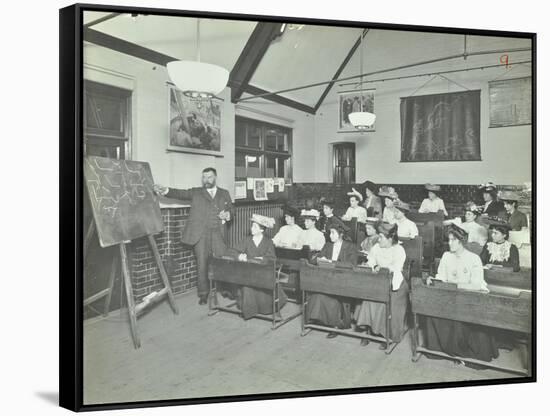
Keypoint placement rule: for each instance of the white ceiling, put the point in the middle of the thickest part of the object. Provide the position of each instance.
(311, 54)
(221, 41)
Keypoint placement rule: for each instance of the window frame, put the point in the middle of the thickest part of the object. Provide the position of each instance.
(261, 151)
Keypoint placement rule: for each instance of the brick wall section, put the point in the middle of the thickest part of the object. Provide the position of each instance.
(179, 260)
(455, 196)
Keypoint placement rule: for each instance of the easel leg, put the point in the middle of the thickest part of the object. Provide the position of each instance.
(163, 274)
(111, 286)
(129, 294)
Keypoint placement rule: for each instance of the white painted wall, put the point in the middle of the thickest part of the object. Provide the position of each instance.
(505, 152)
(150, 124)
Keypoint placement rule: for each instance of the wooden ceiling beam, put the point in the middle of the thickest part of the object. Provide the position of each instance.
(251, 56)
(340, 69)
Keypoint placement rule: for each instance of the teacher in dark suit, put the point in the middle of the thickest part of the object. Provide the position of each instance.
(211, 210)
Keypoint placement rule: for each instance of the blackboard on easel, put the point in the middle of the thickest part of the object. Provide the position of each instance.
(125, 208)
(123, 203)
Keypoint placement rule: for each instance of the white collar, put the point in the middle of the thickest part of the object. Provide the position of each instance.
(257, 239)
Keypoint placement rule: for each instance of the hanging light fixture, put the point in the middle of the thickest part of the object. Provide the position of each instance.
(198, 80)
(361, 120)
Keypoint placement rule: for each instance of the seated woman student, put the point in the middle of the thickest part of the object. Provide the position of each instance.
(477, 233)
(405, 227)
(499, 251)
(372, 202)
(453, 337)
(492, 206)
(253, 301)
(329, 219)
(355, 210)
(289, 235)
(433, 203)
(371, 316)
(389, 196)
(516, 219)
(331, 310)
(311, 236)
(372, 236)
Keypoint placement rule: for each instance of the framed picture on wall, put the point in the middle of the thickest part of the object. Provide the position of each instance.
(353, 101)
(195, 125)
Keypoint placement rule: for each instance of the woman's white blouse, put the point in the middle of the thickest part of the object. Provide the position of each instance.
(358, 212)
(477, 233)
(465, 270)
(393, 258)
(406, 228)
(313, 238)
(289, 236)
(432, 206)
(389, 215)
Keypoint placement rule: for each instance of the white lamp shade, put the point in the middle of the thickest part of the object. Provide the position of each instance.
(198, 76)
(362, 119)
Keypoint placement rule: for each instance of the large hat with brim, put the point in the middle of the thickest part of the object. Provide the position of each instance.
(355, 193)
(388, 192)
(432, 188)
(267, 222)
(459, 232)
(371, 186)
(402, 206)
(488, 187)
(508, 196)
(312, 214)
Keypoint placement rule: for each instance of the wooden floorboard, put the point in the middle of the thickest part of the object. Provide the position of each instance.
(194, 355)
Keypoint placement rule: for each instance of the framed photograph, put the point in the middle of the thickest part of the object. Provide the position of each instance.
(187, 272)
(195, 125)
(353, 101)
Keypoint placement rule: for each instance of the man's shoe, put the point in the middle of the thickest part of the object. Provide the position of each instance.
(332, 335)
(364, 342)
(203, 300)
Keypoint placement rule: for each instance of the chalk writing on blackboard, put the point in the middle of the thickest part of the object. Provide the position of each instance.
(122, 198)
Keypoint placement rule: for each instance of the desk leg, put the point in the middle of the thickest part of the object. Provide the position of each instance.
(415, 355)
(213, 299)
(129, 295)
(304, 314)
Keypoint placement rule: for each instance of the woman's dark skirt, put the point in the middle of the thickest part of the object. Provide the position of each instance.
(329, 311)
(254, 301)
(460, 339)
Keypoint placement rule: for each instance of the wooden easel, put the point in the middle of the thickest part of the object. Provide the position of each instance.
(133, 310)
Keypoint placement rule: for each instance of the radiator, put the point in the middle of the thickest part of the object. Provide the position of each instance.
(239, 228)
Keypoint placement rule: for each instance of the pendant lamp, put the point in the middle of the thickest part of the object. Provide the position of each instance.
(198, 80)
(361, 120)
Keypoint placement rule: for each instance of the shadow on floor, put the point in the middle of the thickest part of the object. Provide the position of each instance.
(51, 397)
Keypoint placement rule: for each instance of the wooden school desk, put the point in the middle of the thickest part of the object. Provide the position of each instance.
(356, 283)
(444, 300)
(258, 274)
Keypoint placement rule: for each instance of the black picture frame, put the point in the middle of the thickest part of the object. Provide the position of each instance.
(71, 30)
